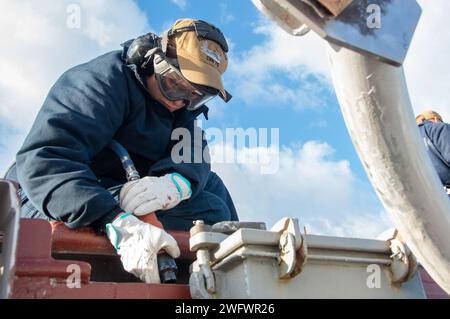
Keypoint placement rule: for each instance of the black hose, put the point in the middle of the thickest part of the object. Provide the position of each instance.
(127, 163)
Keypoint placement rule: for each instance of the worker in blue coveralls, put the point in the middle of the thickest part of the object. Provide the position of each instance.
(436, 136)
(137, 97)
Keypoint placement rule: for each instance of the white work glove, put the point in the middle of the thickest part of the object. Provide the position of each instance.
(138, 244)
(150, 194)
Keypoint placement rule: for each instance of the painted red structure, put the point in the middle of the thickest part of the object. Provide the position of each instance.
(39, 274)
(48, 253)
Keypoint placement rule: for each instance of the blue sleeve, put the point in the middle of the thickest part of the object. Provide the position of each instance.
(81, 114)
(188, 155)
(440, 136)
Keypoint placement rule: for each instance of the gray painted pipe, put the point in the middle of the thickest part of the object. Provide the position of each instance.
(375, 104)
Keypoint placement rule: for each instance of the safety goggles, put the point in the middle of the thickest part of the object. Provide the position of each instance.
(174, 86)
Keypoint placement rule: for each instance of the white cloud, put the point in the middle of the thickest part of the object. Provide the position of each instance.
(323, 193)
(225, 16)
(180, 3)
(283, 52)
(39, 46)
(302, 60)
(318, 124)
(428, 65)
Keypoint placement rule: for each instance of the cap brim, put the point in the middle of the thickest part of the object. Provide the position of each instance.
(200, 73)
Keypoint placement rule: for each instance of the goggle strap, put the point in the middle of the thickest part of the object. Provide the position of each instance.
(173, 32)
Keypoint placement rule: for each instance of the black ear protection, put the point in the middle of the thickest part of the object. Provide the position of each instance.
(138, 49)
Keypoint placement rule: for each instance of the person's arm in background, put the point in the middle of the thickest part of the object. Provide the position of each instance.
(80, 116)
(440, 136)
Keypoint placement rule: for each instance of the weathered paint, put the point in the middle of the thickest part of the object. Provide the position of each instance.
(375, 103)
(39, 275)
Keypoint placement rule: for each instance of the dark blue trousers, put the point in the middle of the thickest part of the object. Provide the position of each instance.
(212, 205)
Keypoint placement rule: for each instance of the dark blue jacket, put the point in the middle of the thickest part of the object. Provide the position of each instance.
(437, 140)
(64, 166)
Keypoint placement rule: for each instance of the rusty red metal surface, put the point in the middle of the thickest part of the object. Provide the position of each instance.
(85, 240)
(82, 240)
(39, 275)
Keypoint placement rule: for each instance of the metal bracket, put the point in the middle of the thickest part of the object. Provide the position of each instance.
(404, 263)
(203, 238)
(198, 283)
(229, 227)
(287, 22)
(350, 24)
(293, 249)
(202, 282)
(335, 7)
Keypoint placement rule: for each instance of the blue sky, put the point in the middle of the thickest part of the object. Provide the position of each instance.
(277, 81)
(322, 123)
(298, 124)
